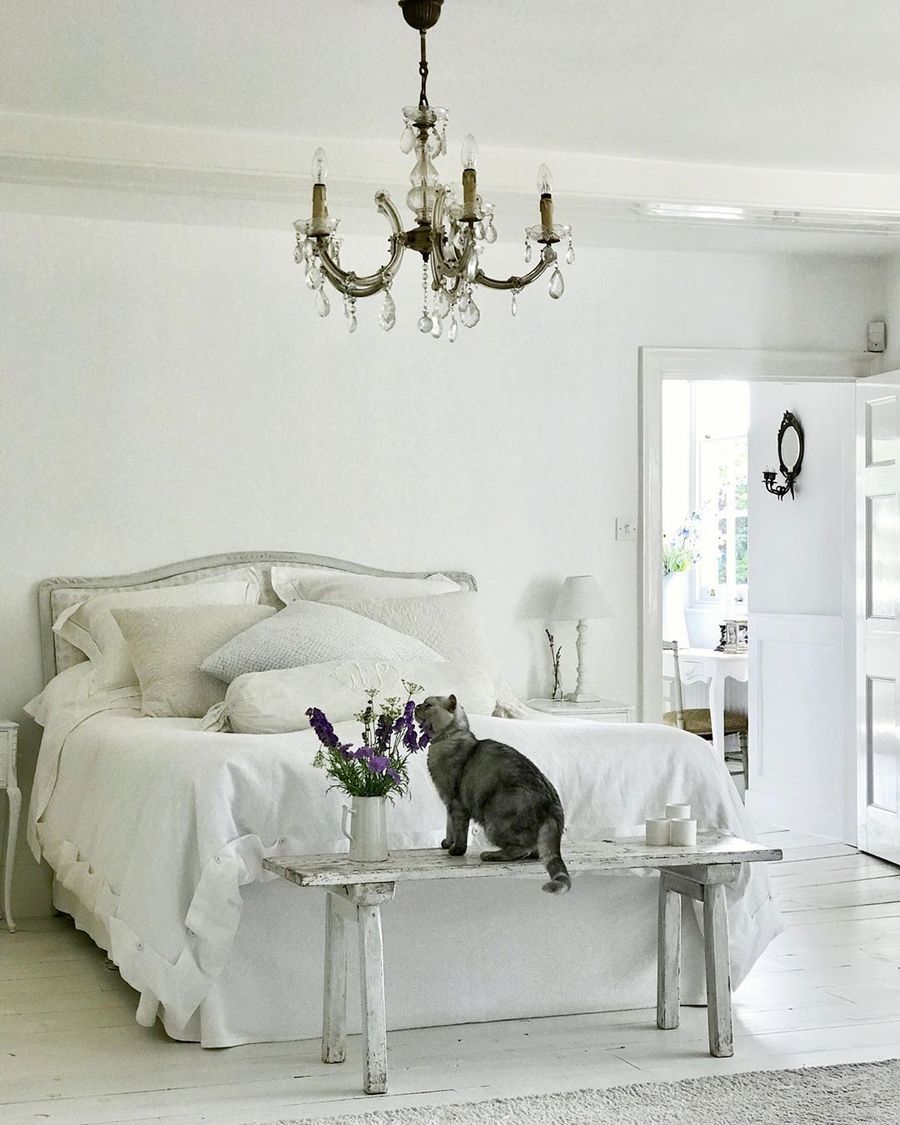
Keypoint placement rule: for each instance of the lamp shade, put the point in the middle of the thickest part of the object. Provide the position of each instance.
(580, 599)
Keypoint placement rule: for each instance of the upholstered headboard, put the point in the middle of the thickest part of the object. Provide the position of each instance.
(56, 594)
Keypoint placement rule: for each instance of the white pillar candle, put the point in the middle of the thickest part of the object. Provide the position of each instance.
(682, 832)
(678, 812)
(657, 831)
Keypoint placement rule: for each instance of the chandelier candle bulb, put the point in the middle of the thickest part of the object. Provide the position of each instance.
(319, 175)
(545, 187)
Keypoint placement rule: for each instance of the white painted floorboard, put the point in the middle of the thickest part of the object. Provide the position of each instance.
(827, 990)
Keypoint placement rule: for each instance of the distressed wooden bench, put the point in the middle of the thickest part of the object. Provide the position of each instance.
(357, 890)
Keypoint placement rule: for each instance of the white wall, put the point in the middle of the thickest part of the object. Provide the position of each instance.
(168, 392)
(801, 614)
(801, 570)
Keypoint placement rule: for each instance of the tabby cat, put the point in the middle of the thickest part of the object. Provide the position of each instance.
(497, 787)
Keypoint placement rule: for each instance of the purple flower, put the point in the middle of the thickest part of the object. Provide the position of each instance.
(393, 775)
(362, 754)
(378, 763)
(318, 720)
(424, 739)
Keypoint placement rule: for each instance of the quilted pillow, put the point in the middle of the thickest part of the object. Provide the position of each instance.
(451, 625)
(338, 587)
(90, 626)
(312, 633)
(167, 645)
(275, 702)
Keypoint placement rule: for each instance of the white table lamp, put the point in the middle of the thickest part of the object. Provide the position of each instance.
(581, 600)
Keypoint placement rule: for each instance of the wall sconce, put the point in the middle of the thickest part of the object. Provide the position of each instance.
(790, 457)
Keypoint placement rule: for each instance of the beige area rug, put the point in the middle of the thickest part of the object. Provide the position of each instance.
(851, 1094)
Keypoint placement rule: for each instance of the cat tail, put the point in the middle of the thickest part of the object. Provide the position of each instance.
(549, 838)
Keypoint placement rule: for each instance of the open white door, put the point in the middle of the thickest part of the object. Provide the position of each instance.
(878, 614)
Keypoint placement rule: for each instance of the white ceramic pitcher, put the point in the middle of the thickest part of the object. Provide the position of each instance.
(368, 838)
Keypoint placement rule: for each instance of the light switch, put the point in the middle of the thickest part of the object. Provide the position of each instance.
(626, 528)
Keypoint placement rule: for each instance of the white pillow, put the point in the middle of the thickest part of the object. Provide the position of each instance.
(167, 645)
(66, 687)
(90, 626)
(338, 587)
(451, 625)
(312, 633)
(276, 702)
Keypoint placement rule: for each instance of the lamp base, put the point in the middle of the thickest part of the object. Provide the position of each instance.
(583, 697)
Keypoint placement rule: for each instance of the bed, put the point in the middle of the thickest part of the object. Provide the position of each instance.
(156, 831)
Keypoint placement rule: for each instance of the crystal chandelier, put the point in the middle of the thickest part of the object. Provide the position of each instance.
(449, 231)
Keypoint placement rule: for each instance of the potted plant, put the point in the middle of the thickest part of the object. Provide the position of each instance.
(374, 772)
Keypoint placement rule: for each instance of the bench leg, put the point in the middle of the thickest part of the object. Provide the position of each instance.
(668, 957)
(334, 1015)
(371, 980)
(718, 972)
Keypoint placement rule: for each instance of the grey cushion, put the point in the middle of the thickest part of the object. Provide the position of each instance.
(312, 633)
(166, 645)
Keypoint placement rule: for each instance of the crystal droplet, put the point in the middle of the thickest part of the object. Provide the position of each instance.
(387, 317)
(298, 254)
(463, 302)
(425, 323)
(352, 323)
(527, 251)
(407, 140)
(443, 304)
(490, 232)
(570, 255)
(479, 230)
(437, 329)
(472, 315)
(323, 305)
(472, 266)
(557, 285)
(454, 329)
(314, 278)
(514, 307)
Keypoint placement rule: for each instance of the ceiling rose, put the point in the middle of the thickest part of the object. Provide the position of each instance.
(450, 228)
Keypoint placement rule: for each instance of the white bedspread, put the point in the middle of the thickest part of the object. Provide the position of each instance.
(153, 826)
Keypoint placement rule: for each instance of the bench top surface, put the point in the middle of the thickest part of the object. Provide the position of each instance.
(434, 863)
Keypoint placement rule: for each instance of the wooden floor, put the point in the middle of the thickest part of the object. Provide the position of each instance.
(827, 990)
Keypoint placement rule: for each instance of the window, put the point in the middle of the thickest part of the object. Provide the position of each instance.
(718, 482)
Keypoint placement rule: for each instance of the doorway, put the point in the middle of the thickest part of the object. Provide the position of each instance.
(705, 572)
(801, 653)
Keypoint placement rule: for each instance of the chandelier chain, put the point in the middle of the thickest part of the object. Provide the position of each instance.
(423, 71)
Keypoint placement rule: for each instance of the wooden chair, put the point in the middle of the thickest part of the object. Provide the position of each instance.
(697, 720)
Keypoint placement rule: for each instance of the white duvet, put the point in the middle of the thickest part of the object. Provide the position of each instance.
(153, 826)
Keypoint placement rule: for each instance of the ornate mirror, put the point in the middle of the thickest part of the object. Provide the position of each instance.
(790, 457)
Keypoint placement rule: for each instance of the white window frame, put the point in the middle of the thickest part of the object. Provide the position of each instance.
(735, 596)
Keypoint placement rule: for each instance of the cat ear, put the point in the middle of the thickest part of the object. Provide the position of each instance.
(451, 702)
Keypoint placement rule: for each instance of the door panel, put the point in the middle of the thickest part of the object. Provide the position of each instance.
(878, 514)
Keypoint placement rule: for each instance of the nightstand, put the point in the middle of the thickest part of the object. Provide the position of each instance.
(8, 781)
(600, 711)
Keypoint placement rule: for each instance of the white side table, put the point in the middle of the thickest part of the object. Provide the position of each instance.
(600, 711)
(8, 781)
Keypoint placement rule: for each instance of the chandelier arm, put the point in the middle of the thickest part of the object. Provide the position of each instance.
(548, 257)
(345, 280)
(441, 265)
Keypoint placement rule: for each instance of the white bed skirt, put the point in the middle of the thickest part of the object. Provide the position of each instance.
(455, 953)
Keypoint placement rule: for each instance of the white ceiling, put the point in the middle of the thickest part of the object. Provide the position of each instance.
(798, 84)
